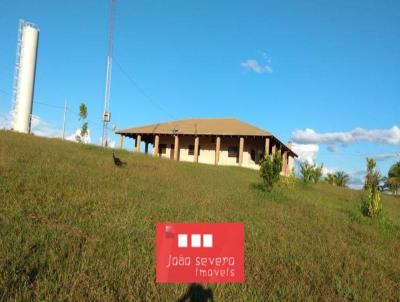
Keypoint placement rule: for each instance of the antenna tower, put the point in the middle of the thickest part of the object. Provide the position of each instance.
(106, 112)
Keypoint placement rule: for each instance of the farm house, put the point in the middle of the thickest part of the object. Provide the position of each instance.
(217, 141)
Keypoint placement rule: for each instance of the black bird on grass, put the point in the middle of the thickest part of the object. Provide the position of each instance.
(117, 161)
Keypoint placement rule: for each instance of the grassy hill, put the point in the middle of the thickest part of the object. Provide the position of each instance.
(74, 227)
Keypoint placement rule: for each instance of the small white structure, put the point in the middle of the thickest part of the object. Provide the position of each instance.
(24, 79)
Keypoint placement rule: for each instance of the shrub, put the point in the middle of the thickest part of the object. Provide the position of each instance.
(310, 172)
(371, 204)
(306, 171)
(270, 169)
(289, 181)
(329, 178)
(317, 173)
(341, 178)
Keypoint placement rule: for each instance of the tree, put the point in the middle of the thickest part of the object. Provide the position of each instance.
(310, 172)
(393, 179)
(306, 171)
(371, 201)
(329, 178)
(83, 113)
(317, 173)
(270, 169)
(341, 179)
(393, 184)
(373, 176)
(84, 129)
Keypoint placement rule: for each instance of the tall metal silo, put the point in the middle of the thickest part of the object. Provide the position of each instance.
(24, 78)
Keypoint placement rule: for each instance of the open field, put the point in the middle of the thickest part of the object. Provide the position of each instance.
(73, 227)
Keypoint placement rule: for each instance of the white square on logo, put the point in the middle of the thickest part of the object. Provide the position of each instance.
(207, 240)
(196, 240)
(182, 240)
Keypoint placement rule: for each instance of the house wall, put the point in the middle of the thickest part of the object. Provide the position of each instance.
(290, 164)
(166, 140)
(207, 150)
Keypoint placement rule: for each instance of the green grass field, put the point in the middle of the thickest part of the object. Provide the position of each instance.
(74, 228)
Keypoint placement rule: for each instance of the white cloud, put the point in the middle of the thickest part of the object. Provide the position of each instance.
(266, 58)
(356, 179)
(386, 156)
(306, 152)
(86, 139)
(39, 127)
(5, 120)
(309, 152)
(110, 143)
(307, 142)
(326, 170)
(309, 136)
(332, 147)
(42, 128)
(255, 66)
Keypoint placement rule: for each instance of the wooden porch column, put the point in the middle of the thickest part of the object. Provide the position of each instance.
(138, 142)
(284, 162)
(266, 150)
(146, 148)
(176, 148)
(121, 141)
(217, 149)
(196, 149)
(156, 143)
(241, 147)
(273, 149)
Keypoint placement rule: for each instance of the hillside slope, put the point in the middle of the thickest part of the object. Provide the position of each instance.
(74, 227)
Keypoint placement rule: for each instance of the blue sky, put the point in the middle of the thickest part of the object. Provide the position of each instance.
(285, 66)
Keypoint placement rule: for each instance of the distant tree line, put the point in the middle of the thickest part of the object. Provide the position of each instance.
(313, 173)
(371, 205)
(392, 181)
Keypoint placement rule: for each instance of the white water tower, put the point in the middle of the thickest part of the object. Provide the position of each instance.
(24, 78)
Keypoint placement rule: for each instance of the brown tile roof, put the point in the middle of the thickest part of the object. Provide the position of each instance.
(199, 126)
(202, 126)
